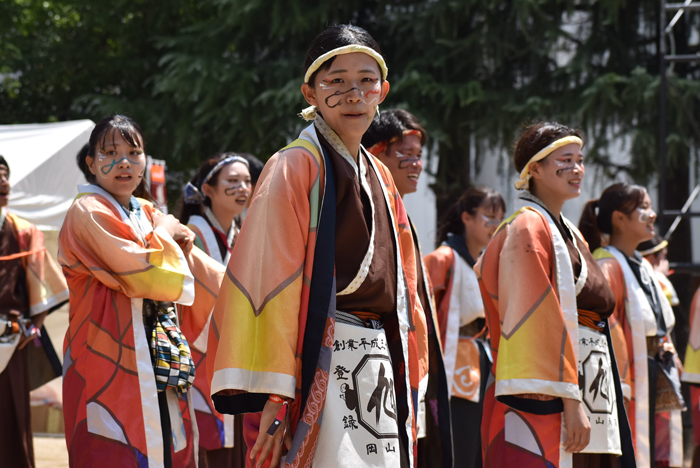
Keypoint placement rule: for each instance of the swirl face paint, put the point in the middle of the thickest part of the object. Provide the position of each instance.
(646, 215)
(406, 161)
(106, 169)
(369, 89)
(567, 166)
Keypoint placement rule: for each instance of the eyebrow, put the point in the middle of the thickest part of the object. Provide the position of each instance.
(366, 70)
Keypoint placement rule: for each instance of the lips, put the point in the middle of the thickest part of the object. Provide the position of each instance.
(124, 177)
(242, 200)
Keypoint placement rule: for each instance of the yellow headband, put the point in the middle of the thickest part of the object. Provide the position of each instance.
(524, 181)
(348, 49)
(657, 248)
(310, 112)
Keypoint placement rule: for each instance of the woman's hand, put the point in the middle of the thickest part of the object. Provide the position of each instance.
(179, 232)
(578, 427)
(266, 443)
(167, 222)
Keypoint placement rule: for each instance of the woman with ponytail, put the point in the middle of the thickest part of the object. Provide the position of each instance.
(213, 201)
(642, 321)
(464, 233)
(555, 398)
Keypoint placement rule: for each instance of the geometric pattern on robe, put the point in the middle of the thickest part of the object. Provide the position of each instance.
(45, 285)
(110, 403)
(258, 329)
(628, 334)
(213, 432)
(531, 348)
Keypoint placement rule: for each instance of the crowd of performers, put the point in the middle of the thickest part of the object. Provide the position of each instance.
(316, 332)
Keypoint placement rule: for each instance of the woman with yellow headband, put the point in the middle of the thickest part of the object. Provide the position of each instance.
(641, 324)
(554, 397)
(317, 327)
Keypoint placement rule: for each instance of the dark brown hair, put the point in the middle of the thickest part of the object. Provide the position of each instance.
(470, 201)
(621, 197)
(188, 210)
(538, 136)
(333, 37)
(391, 124)
(107, 128)
(3, 162)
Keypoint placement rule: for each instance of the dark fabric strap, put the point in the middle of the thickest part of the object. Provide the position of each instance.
(322, 290)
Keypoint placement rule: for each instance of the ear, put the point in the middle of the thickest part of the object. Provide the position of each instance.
(618, 217)
(309, 94)
(90, 161)
(535, 170)
(466, 217)
(384, 92)
(207, 190)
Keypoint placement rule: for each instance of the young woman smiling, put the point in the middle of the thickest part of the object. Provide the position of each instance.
(317, 325)
(642, 321)
(546, 303)
(213, 201)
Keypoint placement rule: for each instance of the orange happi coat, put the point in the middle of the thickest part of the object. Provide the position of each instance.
(110, 401)
(260, 341)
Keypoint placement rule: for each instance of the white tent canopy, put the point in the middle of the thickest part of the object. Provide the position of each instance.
(43, 171)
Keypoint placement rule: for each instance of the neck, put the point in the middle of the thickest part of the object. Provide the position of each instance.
(224, 218)
(624, 243)
(123, 201)
(353, 146)
(473, 247)
(552, 202)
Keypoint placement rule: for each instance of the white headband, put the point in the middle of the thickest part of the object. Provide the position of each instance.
(524, 181)
(310, 112)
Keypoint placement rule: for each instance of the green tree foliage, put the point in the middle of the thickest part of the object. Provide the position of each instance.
(225, 74)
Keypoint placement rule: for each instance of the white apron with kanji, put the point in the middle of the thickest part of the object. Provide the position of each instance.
(597, 386)
(359, 427)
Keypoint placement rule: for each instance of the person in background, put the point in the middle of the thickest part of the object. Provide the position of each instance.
(641, 324)
(396, 138)
(215, 197)
(31, 286)
(655, 252)
(464, 232)
(554, 397)
(127, 366)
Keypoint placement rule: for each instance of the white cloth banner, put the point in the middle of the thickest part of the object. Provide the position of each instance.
(43, 168)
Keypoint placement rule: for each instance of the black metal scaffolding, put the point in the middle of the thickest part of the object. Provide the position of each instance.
(665, 58)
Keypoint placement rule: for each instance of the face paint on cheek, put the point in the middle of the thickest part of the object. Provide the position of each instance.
(371, 98)
(405, 161)
(233, 190)
(107, 168)
(645, 215)
(331, 101)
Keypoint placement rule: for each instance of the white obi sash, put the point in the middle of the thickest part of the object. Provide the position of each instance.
(360, 425)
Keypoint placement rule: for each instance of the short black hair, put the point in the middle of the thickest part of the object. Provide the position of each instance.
(390, 124)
